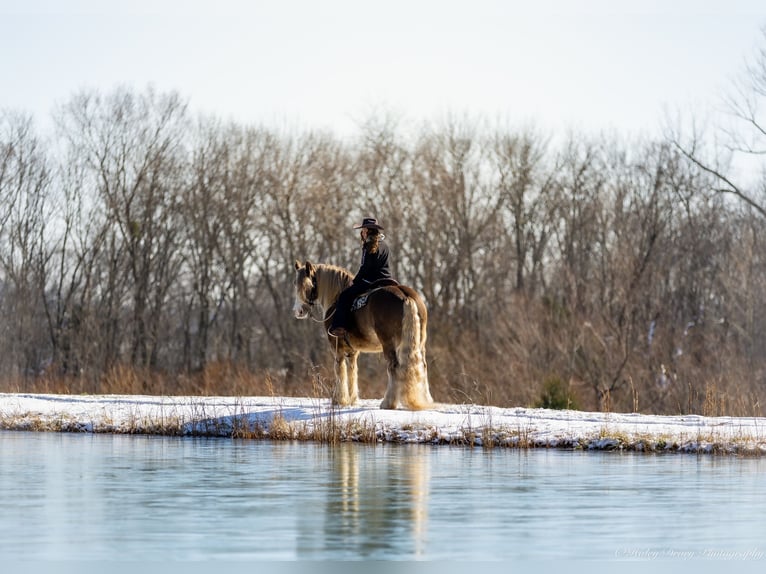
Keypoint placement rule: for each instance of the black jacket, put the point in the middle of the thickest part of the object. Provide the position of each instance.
(374, 265)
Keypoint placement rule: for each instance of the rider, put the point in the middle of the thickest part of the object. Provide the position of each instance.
(373, 268)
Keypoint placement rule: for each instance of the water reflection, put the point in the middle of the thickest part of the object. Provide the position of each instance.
(376, 504)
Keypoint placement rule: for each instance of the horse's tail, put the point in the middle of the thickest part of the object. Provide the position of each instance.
(415, 393)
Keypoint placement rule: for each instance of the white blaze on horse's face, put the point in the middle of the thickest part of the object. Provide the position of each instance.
(300, 309)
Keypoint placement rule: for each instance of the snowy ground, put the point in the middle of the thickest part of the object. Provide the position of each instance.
(316, 419)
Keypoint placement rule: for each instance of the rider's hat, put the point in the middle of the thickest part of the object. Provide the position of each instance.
(369, 223)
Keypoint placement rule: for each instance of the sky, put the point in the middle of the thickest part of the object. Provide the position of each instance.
(589, 65)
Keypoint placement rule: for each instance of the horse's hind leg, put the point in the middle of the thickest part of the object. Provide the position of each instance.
(391, 399)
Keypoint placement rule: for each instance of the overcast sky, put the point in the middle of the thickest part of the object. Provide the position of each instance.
(583, 64)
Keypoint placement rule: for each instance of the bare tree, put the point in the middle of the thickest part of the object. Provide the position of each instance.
(24, 184)
(133, 145)
(459, 210)
(527, 184)
(742, 141)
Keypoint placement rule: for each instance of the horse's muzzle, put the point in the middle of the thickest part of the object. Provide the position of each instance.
(301, 311)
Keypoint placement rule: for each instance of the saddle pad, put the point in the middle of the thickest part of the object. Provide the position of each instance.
(360, 301)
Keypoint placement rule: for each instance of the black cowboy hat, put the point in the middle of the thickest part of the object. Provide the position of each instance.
(369, 223)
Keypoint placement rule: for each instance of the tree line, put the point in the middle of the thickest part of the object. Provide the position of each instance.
(146, 250)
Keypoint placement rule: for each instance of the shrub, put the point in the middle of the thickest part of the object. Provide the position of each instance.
(556, 395)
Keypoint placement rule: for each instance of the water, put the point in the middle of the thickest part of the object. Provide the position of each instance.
(105, 497)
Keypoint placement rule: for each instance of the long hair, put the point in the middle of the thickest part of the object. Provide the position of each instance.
(373, 240)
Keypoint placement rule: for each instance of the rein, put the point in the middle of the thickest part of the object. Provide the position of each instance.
(324, 318)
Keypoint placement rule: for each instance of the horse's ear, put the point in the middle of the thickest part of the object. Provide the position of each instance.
(309, 267)
(297, 265)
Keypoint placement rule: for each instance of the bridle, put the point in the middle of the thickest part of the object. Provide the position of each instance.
(312, 301)
(314, 295)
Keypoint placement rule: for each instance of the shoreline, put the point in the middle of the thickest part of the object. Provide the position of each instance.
(314, 419)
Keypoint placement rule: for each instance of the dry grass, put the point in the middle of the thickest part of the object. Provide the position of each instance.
(217, 379)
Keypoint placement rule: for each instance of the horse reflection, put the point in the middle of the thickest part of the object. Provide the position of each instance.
(377, 503)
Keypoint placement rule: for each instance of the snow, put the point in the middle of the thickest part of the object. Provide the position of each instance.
(317, 419)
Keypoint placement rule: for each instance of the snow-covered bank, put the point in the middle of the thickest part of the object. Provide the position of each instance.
(310, 418)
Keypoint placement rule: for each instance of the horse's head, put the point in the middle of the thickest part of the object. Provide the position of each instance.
(305, 289)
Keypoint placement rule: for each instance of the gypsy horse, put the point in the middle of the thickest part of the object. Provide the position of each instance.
(388, 319)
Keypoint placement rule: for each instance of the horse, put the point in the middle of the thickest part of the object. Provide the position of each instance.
(389, 319)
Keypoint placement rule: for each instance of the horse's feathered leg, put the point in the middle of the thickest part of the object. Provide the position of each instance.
(353, 378)
(340, 395)
(391, 399)
(413, 387)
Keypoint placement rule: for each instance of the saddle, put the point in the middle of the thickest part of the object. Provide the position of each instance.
(361, 300)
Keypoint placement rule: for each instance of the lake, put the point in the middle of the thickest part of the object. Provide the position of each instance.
(118, 497)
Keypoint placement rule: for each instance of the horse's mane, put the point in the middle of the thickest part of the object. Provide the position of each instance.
(332, 280)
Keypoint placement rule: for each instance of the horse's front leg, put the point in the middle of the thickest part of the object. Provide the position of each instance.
(353, 378)
(340, 395)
